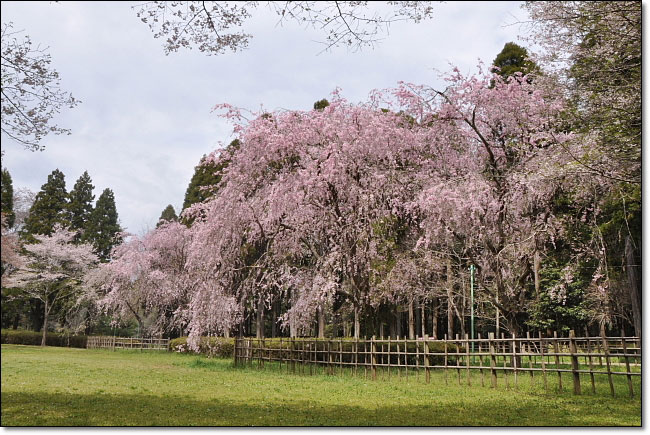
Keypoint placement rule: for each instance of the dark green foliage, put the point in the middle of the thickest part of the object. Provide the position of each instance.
(321, 104)
(568, 309)
(620, 217)
(168, 215)
(7, 198)
(80, 202)
(49, 207)
(103, 227)
(514, 58)
(10, 336)
(12, 307)
(207, 176)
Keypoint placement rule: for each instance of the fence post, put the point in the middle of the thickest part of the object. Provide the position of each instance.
(627, 364)
(541, 350)
(389, 356)
(329, 357)
(446, 361)
(480, 359)
(373, 358)
(427, 370)
(574, 362)
(591, 367)
(607, 363)
(493, 360)
(467, 361)
(340, 356)
(557, 358)
(514, 358)
(235, 353)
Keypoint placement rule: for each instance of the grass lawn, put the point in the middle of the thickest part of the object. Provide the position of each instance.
(78, 387)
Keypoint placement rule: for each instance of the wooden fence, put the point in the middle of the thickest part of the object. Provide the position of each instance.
(104, 342)
(505, 357)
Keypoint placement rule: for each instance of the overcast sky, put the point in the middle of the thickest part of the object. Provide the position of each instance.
(145, 119)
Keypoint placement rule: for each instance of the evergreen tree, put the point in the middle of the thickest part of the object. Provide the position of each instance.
(168, 215)
(103, 227)
(49, 207)
(321, 104)
(80, 206)
(514, 58)
(7, 198)
(207, 176)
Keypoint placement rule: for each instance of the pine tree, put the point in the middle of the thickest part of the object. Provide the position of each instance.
(49, 207)
(168, 215)
(7, 198)
(514, 58)
(207, 176)
(81, 204)
(103, 227)
(321, 104)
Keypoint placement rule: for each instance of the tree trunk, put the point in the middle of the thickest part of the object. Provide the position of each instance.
(434, 318)
(411, 321)
(423, 318)
(634, 284)
(398, 323)
(450, 301)
(46, 314)
(357, 323)
(259, 326)
(497, 319)
(321, 322)
(274, 319)
(536, 266)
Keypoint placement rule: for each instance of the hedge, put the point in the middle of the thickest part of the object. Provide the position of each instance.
(20, 336)
(210, 346)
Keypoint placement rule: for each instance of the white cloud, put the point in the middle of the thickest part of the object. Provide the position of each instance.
(145, 119)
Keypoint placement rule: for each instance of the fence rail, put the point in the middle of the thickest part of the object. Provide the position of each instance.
(503, 357)
(105, 342)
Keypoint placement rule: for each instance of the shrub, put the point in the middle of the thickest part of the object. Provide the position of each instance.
(210, 346)
(19, 336)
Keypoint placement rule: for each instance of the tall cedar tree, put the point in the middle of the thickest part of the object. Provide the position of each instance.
(81, 204)
(206, 177)
(168, 215)
(513, 58)
(103, 227)
(7, 198)
(49, 207)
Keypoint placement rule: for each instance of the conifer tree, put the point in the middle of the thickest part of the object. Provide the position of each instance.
(103, 227)
(81, 204)
(512, 59)
(321, 104)
(207, 176)
(7, 198)
(49, 207)
(168, 215)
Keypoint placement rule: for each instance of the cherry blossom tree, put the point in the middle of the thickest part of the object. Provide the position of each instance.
(31, 93)
(147, 277)
(213, 26)
(492, 195)
(11, 258)
(53, 270)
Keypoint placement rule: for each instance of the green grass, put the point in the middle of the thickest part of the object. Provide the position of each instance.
(77, 387)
